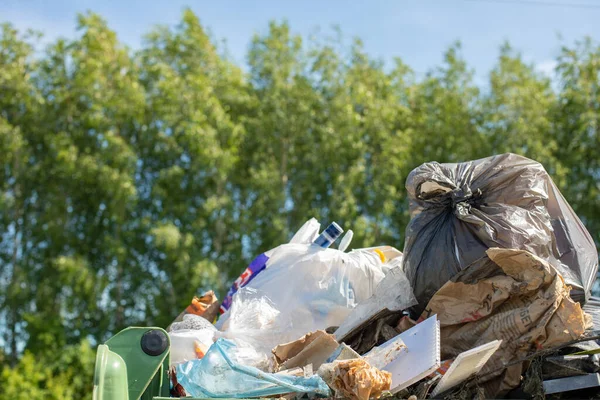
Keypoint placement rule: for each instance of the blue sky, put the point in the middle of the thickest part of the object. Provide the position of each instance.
(416, 31)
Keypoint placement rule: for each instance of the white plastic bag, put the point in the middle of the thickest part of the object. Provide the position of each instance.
(306, 234)
(319, 287)
(310, 287)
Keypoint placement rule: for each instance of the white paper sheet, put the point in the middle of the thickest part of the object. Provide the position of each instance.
(465, 365)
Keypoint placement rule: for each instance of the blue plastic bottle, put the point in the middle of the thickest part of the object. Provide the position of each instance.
(329, 235)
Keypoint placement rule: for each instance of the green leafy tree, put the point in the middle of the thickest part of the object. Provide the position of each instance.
(67, 374)
(131, 181)
(518, 112)
(447, 113)
(577, 124)
(19, 103)
(189, 147)
(83, 192)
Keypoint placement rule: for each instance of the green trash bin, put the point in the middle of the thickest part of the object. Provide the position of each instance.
(132, 365)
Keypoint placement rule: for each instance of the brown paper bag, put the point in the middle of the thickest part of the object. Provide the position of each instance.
(510, 295)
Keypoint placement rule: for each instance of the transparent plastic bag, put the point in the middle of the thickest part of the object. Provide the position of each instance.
(222, 374)
(256, 324)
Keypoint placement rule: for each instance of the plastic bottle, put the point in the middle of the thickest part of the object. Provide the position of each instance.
(329, 235)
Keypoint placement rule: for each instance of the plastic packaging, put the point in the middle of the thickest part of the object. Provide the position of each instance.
(460, 210)
(222, 374)
(191, 321)
(190, 338)
(329, 235)
(189, 345)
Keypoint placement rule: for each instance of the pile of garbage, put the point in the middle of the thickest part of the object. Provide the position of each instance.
(489, 299)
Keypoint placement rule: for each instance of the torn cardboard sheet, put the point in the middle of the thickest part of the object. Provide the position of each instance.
(466, 365)
(357, 380)
(510, 295)
(313, 348)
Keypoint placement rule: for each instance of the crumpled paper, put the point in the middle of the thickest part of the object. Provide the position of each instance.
(356, 379)
(510, 295)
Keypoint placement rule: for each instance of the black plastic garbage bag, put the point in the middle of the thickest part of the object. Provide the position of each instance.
(458, 211)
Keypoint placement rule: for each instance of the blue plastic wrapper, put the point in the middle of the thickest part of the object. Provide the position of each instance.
(255, 267)
(218, 374)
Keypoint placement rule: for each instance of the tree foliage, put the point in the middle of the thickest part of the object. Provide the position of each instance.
(132, 180)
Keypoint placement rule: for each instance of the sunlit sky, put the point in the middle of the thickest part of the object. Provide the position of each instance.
(416, 31)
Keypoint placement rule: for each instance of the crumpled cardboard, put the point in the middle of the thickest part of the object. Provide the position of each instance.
(356, 379)
(510, 295)
(313, 348)
(206, 306)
